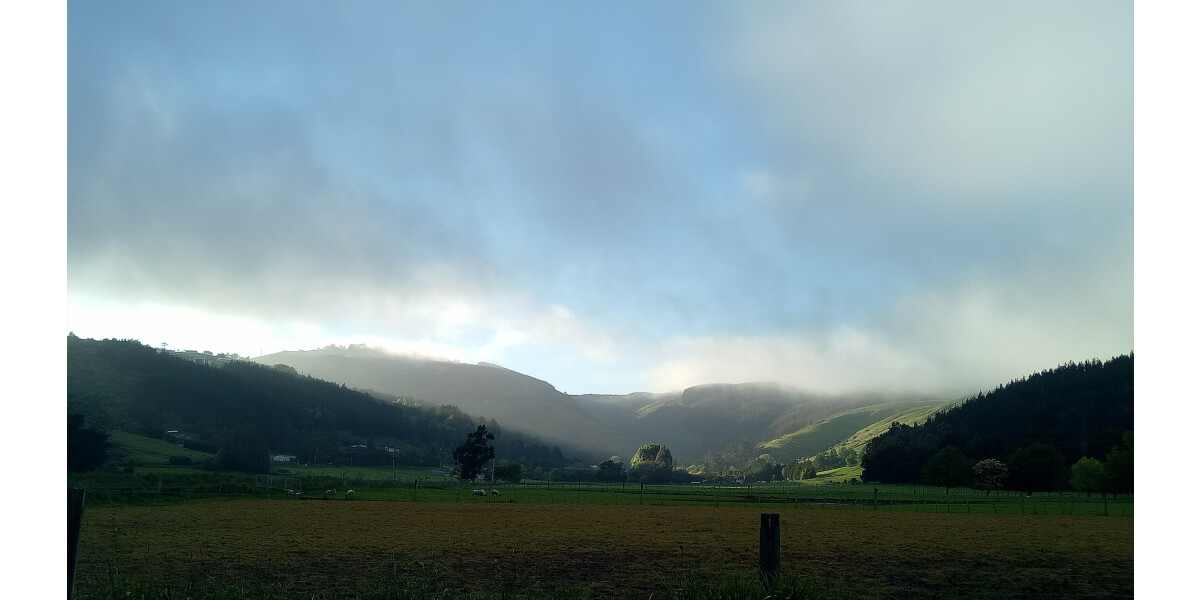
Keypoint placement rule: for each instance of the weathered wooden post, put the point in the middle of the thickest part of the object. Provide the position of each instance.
(768, 548)
(74, 521)
(414, 490)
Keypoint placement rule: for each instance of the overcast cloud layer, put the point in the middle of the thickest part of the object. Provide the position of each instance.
(909, 196)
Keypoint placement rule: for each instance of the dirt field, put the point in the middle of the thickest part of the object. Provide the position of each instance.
(340, 549)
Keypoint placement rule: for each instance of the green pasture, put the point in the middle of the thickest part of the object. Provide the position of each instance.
(149, 451)
(153, 480)
(419, 485)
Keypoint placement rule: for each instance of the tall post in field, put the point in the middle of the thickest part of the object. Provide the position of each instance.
(74, 521)
(768, 548)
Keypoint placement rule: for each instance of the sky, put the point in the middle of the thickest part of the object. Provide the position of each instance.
(918, 197)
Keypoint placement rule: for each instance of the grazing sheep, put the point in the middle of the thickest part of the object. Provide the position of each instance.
(349, 494)
(478, 493)
(330, 493)
(495, 492)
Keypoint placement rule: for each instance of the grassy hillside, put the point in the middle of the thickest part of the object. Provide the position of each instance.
(852, 428)
(142, 449)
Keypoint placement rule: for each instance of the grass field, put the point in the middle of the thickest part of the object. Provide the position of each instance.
(256, 548)
(171, 484)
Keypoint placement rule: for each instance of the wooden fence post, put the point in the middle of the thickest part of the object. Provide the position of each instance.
(768, 548)
(74, 521)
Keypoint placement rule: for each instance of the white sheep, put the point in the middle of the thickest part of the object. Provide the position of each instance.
(495, 492)
(349, 494)
(478, 493)
(330, 493)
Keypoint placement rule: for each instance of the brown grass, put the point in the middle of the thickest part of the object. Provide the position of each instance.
(339, 549)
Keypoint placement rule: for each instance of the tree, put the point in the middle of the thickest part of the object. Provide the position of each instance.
(1119, 464)
(243, 450)
(829, 459)
(849, 456)
(948, 468)
(1037, 468)
(610, 471)
(1089, 475)
(473, 454)
(652, 463)
(763, 468)
(798, 470)
(989, 474)
(87, 448)
(511, 472)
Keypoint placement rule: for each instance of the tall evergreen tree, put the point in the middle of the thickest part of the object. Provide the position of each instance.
(244, 450)
(1037, 468)
(87, 449)
(473, 454)
(1119, 465)
(948, 468)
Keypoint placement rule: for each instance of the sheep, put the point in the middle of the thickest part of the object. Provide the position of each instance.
(349, 494)
(478, 493)
(330, 493)
(495, 492)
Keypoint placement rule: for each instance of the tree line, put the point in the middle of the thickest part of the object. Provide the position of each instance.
(1039, 427)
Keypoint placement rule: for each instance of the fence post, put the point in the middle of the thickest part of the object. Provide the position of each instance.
(414, 490)
(768, 548)
(74, 521)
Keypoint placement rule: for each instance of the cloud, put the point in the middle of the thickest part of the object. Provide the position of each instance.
(965, 335)
(612, 198)
(978, 102)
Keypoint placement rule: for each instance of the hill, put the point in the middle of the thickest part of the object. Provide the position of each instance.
(851, 429)
(1077, 410)
(520, 402)
(204, 405)
(751, 418)
(693, 422)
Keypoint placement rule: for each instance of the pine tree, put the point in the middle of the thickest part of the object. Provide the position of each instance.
(473, 454)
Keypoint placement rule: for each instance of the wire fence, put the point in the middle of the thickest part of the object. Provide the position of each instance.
(778, 495)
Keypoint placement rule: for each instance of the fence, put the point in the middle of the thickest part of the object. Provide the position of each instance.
(779, 495)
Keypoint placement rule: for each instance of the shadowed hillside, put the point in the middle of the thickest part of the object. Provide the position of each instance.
(521, 402)
(206, 406)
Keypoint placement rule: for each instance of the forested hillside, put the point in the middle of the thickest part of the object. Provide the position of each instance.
(126, 385)
(1074, 411)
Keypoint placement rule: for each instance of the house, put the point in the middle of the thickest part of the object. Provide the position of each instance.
(283, 458)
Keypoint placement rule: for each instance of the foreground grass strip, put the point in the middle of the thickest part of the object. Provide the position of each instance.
(363, 549)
